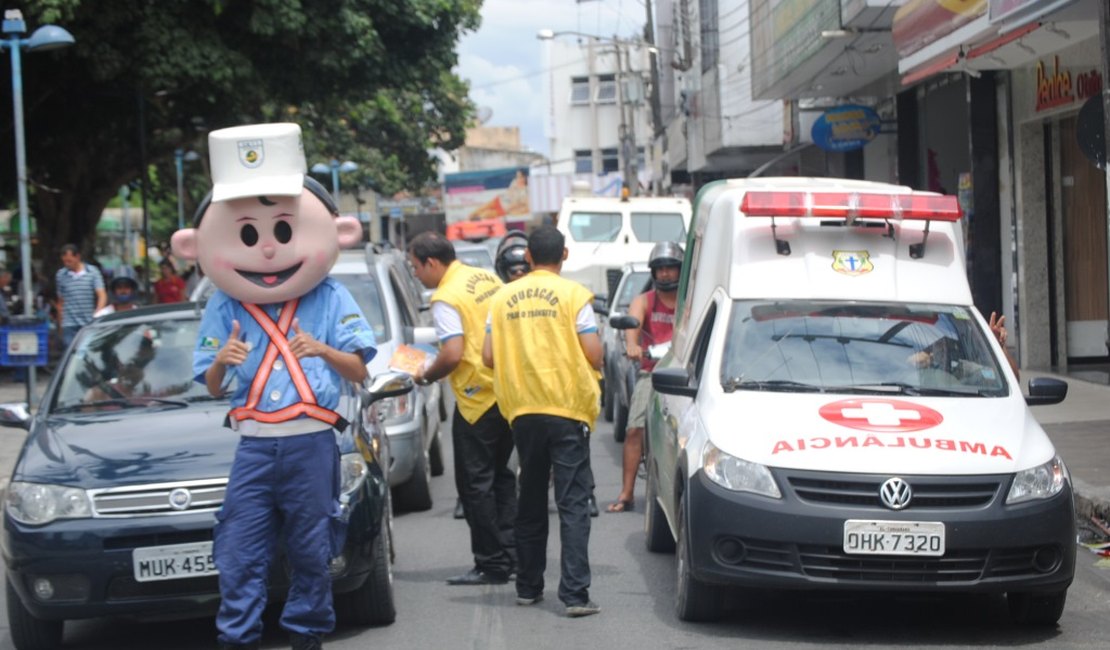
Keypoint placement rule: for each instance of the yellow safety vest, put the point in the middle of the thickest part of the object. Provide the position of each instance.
(539, 366)
(470, 290)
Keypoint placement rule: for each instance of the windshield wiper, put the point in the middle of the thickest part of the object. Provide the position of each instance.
(885, 387)
(122, 402)
(780, 385)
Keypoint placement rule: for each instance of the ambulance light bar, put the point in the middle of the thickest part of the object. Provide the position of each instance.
(851, 205)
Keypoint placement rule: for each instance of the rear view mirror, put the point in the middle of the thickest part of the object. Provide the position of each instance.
(673, 381)
(600, 307)
(388, 384)
(1045, 391)
(15, 414)
(624, 322)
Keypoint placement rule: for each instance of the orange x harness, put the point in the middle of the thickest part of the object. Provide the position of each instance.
(279, 344)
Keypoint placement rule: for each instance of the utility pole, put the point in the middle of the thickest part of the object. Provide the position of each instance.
(628, 150)
(1104, 41)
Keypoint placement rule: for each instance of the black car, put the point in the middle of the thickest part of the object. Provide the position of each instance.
(618, 371)
(113, 499)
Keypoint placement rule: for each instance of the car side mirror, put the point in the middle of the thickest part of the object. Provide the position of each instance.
(600, 307)
(624, 322)
(673, 381)
(387, 384)
(15, 414)
(1045, 391)
(424, 336)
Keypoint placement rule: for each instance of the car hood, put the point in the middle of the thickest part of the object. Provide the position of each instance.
(128, 447)
(857, 433)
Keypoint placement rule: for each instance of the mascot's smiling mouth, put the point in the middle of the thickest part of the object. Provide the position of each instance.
(270, 280)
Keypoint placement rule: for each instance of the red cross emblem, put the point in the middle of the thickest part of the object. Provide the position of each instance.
(881, 415)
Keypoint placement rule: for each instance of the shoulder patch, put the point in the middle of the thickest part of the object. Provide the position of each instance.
(210, 343)
(348, 318)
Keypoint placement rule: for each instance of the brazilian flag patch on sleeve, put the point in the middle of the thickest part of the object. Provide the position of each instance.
(210, 343)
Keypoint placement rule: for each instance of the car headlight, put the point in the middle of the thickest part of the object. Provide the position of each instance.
(1040, 482)
(396, 409)
(353, 471)
(737, 474)
(36, 504)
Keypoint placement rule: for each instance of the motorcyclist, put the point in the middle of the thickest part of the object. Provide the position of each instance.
(655, 310)
(509, 261)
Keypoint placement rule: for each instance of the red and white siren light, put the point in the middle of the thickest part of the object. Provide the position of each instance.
(851, 205)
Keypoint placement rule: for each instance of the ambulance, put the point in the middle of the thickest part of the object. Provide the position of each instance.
(835, 413)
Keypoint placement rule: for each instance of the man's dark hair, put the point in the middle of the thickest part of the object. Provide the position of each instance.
(432, 245)
(311, 184)
(69, 248)
(546, 244)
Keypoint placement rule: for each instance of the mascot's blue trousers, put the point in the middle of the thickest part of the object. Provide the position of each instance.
(287, 486)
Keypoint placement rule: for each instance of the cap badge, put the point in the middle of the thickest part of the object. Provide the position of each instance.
(251, 153)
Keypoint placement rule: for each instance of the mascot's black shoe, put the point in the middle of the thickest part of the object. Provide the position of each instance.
(305, 642)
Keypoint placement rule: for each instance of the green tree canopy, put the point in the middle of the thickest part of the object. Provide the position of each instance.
(367, 80)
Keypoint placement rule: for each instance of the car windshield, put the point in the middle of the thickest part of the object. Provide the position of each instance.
(368, 295)
(129, 365)
(635, 283)
(658, 226)
(594, 226)
(913, 349)
(478, 257)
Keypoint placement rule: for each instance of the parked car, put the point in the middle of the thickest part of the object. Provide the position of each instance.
(390, 298)
(474, 254)
(618, 371)
(112, 502)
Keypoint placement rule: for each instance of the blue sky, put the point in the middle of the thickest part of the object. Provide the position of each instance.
(503, 60)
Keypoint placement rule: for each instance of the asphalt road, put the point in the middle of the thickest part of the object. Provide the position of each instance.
(635, 591)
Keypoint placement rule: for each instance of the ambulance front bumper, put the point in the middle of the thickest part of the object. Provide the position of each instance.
(799, 541)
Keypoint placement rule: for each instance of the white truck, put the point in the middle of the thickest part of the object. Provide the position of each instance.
(836, 414)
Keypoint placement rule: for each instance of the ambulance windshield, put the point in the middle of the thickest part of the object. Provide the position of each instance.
(880, 348)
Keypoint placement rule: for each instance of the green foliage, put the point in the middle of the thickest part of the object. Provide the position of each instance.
(367, 80)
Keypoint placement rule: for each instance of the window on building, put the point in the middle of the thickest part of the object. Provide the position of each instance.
(640, 161)
(710, 43)
(580, 90)
(606, 89)
(583, 161)
(610, 161)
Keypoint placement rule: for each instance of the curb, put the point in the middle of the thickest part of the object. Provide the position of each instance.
(1091, 501)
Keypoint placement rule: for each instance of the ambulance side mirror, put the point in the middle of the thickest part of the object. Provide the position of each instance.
(673, 381)
(387, 384)
(624, 322)
(1045, 391)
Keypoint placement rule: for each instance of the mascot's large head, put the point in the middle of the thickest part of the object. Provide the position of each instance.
(266, 233)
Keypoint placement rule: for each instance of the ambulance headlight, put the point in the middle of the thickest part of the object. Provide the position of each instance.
(737, 474)
(353, 471)
(36, 504)
(1040, 482)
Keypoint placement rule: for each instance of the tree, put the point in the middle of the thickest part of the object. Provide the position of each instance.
(367, 80)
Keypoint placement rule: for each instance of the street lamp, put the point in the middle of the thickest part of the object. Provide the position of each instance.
(179, 158)
(45, 38)
(629, 152)
(334, 166)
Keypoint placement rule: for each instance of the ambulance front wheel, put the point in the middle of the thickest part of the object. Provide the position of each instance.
(695, 601)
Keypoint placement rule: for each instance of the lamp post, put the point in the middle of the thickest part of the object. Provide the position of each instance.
(179, 158)
(45, 38)
(334, 166)
(628, 151)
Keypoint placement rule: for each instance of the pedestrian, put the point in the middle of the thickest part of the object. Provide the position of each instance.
(5, 281)
(284, 335)
(123, 291)
(543, 346)
(170, 287)
(481, 436)
(81, 293)
(655, 311)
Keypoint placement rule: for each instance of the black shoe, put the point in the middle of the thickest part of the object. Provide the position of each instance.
(240, 646)
(478, 577)
(460, 513)
(593, 506)
(305, 642)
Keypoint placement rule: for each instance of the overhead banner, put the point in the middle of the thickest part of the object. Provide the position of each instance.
(920, 23)
(1016, 13)
(487, 194)
(846, 128)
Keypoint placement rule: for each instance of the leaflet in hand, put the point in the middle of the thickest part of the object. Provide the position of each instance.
(409, 359)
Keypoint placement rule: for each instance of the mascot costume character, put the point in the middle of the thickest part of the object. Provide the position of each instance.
(267, 236)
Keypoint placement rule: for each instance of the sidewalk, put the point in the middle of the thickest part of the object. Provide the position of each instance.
(1079, 427)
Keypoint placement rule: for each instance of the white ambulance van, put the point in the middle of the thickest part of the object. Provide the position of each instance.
(836, 414)
(604, 233)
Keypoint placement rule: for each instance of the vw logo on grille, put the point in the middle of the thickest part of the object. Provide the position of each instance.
(895, 493)
(180, 499)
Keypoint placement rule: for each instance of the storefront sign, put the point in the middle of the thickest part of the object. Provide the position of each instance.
(1016, 13)
(846, 128)
(1057, 87)
(488, 194)
(785, 34)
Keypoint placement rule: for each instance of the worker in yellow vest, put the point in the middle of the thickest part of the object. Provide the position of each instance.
(482, 438)
(543, 346)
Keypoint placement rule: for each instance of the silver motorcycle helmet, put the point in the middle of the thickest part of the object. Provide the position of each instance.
(664, 254)
(510, 262)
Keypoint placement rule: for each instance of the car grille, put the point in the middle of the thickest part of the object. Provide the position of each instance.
(126, 587)
(159, 498)
(927, 492)
(831, 563)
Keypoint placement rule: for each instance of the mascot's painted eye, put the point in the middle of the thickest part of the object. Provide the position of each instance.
(249, 235)
(283, 231)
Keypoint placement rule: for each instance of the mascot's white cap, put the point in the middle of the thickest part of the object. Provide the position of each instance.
(256, 160)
